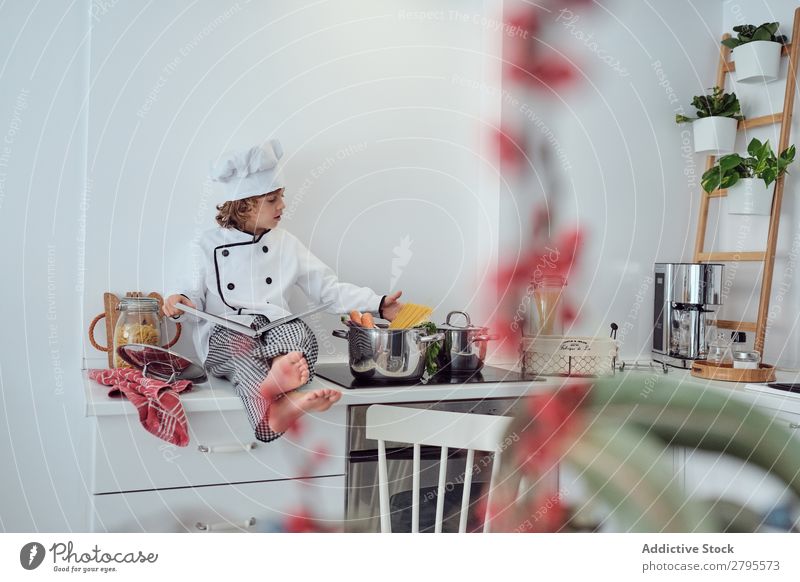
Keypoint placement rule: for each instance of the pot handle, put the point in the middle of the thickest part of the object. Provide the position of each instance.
(340, 333)
(485, 337)
(436, 337)
(452, 313)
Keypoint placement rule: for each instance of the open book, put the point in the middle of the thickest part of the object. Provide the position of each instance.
(242, 328)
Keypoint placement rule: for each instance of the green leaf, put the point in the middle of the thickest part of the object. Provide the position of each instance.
(688, 414)
(731, 43)
(729, 179)
(631, 473)
(754, 147)
(729, 162)
(787, 155)
(681, 118)
(711, 179)
(762, 33)
(432, 354)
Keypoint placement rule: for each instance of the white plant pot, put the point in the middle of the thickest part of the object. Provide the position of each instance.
(714, 135)
(750, 196)
(757, 61)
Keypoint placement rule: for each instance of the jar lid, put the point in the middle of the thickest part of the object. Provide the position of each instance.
(447, 326)
(138, 304)
(746, 356)
(550, 281)
(161, 364)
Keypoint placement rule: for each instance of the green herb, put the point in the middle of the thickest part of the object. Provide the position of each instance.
(761, 163)
(432, 355)
(718, 104)
(749, 33)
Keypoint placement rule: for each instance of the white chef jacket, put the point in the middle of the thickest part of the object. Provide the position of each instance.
(236, 275)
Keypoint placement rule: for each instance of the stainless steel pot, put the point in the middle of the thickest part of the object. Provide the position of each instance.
(464, 348)
(387, 354)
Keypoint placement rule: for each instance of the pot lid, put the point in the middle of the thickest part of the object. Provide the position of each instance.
(161, 364)
(448, 326)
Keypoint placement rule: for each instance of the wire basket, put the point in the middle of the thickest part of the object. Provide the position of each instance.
(568, 356)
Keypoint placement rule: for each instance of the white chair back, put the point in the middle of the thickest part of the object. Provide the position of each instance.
(456, 430)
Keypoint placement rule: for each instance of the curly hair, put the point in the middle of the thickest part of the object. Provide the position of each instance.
(234, 213)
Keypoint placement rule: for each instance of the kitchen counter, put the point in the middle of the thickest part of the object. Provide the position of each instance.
(226, 480)
(218, 394)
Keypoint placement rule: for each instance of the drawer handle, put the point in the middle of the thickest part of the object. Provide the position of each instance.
(237, 448)
(224, 525)
(794, 425)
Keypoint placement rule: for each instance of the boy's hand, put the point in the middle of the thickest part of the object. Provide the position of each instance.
(169, 305)
(391, 306)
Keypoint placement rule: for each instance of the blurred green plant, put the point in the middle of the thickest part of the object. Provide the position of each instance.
(616, 433)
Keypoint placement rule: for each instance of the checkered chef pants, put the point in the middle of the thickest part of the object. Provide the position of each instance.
(245, 361)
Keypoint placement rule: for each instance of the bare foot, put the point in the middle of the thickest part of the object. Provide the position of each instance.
(283, 413)
(287, 372)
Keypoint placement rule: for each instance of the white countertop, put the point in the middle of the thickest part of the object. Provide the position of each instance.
(218, 394)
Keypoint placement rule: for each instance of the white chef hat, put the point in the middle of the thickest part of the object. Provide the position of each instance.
(251, 172)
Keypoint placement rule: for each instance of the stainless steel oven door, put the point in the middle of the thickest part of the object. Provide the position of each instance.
(362, 501)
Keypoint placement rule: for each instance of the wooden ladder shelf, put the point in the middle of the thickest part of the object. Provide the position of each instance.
(768, 255)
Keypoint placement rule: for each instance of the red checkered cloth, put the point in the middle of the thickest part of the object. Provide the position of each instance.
(160, 410)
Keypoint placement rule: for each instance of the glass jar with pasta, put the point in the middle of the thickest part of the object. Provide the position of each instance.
(138, 323)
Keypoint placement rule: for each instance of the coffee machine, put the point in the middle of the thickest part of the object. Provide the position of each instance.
(684, 294)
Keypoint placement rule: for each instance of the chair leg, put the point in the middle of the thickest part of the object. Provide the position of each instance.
(415, 491)
(492, 481)
(462, 524)
(383, 484)
(440, 490)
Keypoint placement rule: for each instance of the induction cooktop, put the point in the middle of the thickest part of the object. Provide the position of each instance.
(341, 375)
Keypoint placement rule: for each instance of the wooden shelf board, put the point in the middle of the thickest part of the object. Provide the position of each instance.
(731, 257)
(737, 325)
(761, 121)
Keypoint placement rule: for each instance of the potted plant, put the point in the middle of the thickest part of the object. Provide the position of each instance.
(756, 52)
(748, 178)
(714, 128)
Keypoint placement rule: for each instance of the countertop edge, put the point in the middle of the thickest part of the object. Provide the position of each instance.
(218, 395)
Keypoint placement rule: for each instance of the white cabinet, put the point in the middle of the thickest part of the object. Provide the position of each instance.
(224, 479)
(256, 507)
(222, 449)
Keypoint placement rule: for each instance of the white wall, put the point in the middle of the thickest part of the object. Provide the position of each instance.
(381, 147)
(110, 120)
(617, 167)
(44, 444)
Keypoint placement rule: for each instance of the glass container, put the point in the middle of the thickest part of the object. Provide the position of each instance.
(546, 316)
(138, 323)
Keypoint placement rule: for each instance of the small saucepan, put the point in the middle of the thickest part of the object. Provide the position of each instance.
(464, 348)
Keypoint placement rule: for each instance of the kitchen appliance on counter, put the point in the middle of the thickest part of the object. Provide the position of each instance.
(379, 353)
(684, 294)
(362, 505)
(341, 375)
(463, 350)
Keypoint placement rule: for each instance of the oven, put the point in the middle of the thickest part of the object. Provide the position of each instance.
(362, 507)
